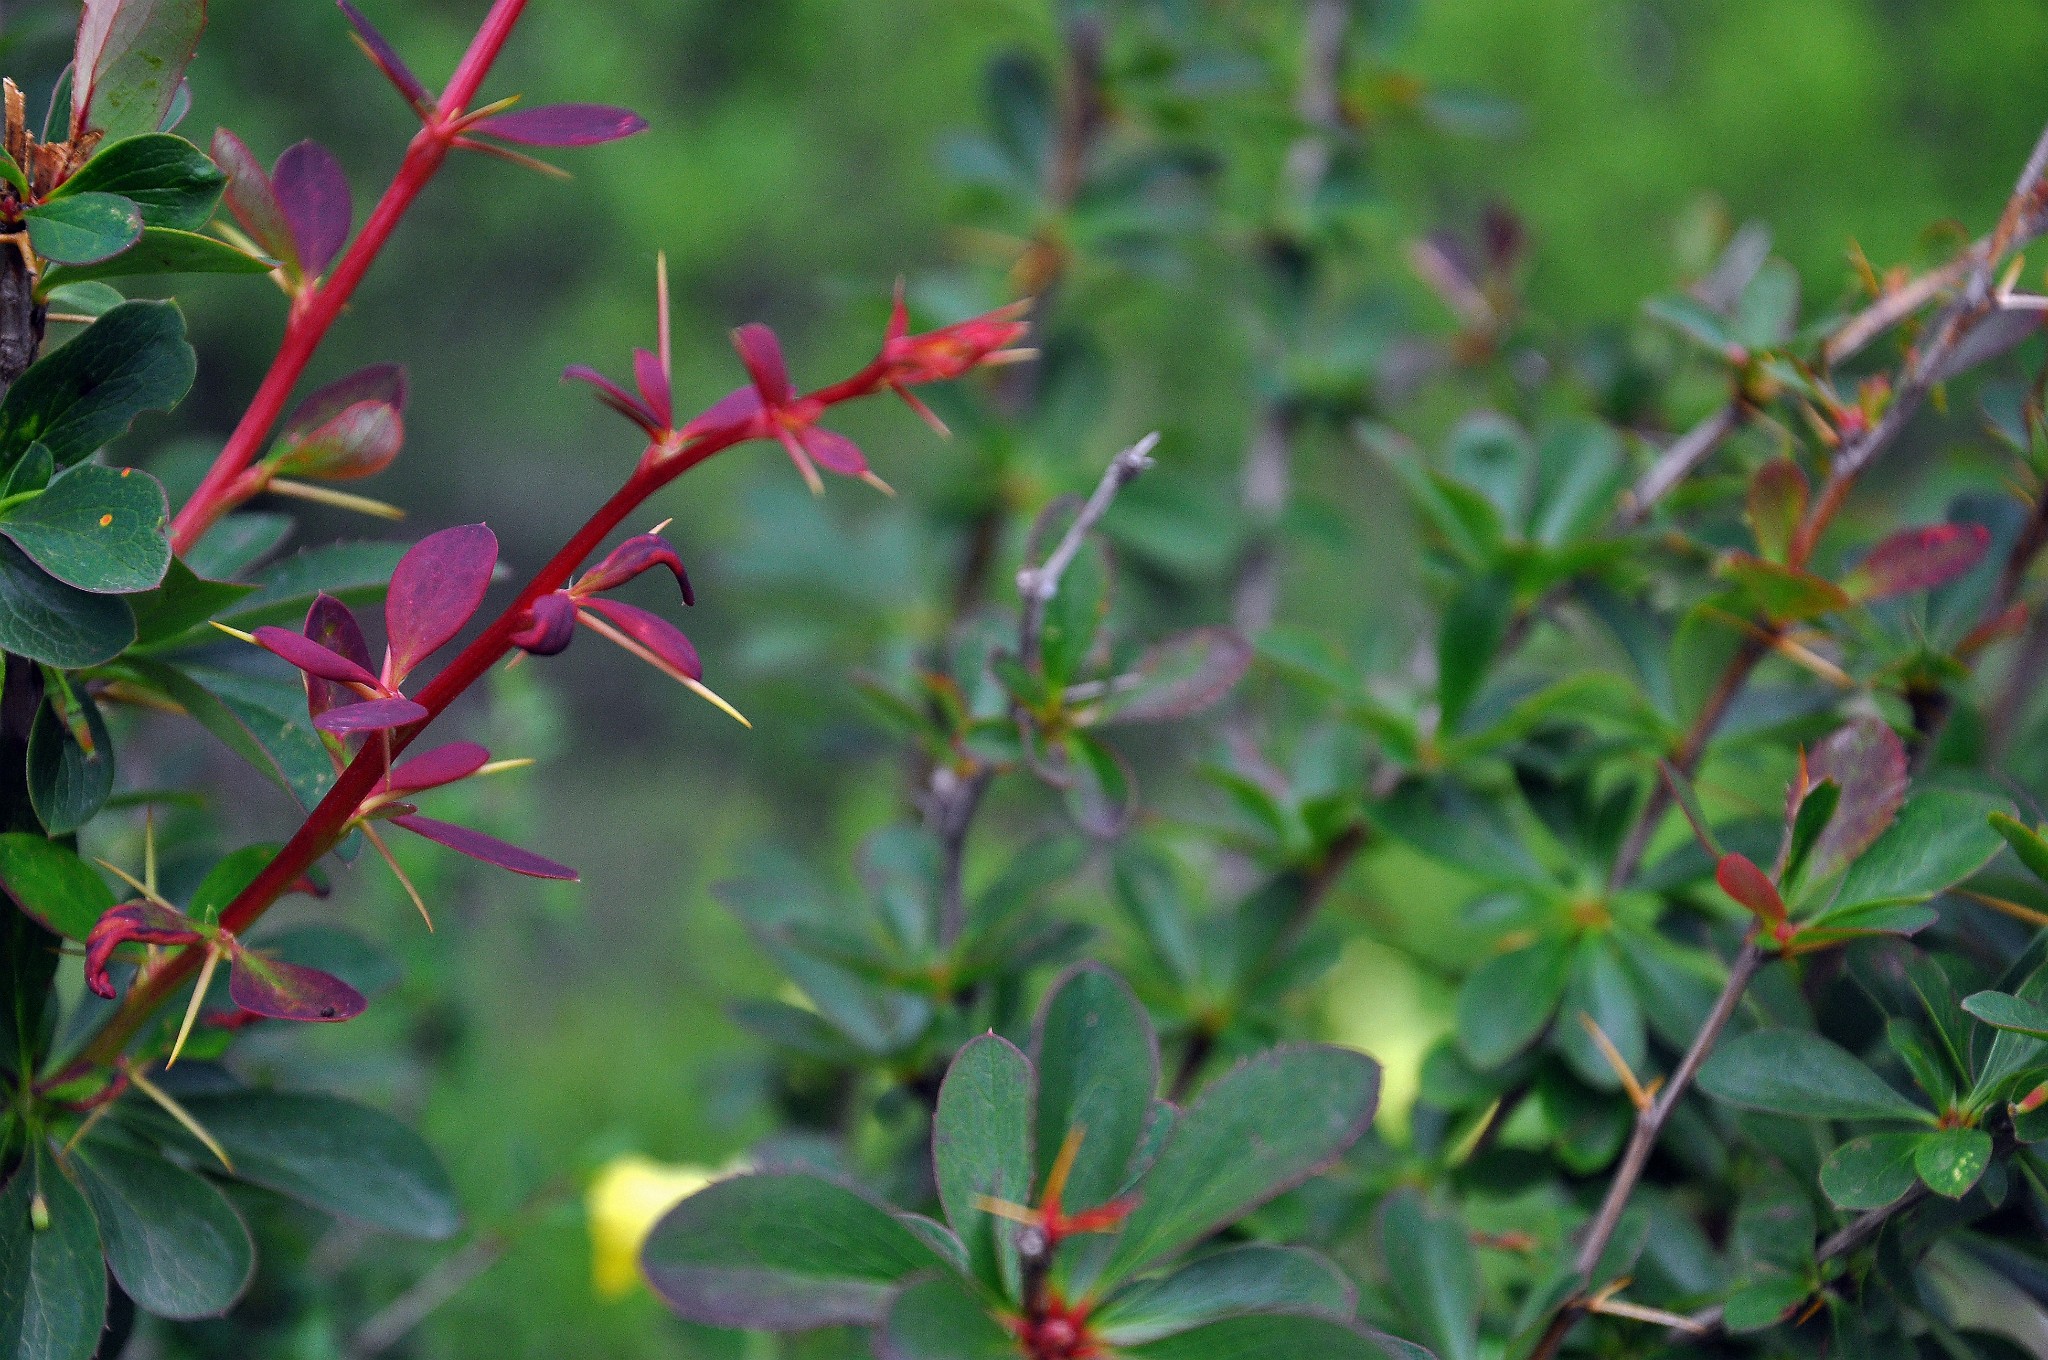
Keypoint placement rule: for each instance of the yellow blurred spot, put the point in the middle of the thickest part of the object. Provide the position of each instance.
(627, 1198)
(1377, 1000)
(105, 520)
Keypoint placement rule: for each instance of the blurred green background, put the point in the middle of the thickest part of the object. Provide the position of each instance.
(796, 167)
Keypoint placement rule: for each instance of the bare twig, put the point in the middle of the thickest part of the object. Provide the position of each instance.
(396, 1320)
(1268, 465)
(951, 796)
(1678, 461)
(1038, 585)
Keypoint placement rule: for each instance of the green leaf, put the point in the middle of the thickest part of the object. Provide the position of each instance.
(1075, 615)
(281, 746)
(938, 1319)
(1787, 594)
(163, 250)
(781, 1251)
(981, 1147)
(1775, 506)
(68, 785)
(338, 1156)
(172, 181)
(239, 542)
(1474, 623)
(1432, 1272)
(32, 473)
(1256, 1278)
(2002, 1011)
(1951, 1161)
(1768, 309)
(1799, 1073)
(1941, 837)
(2027, 844)
(1693, 319)
(183, 602)
(84, 228)
(226, 879)
(1490, 454)
(1278, 1336)
(354, 573)
(53, 1289)
(1870, 1172)
(1261, 1128)
(174, 1242)
(126, 81)
(1601, 989)
(1579, 472)
(10, 173)
(99, 528)
(45, 620)
(1097, 1061)
(52, 884)
(1509, 999)
(94, 300)
(77, 398)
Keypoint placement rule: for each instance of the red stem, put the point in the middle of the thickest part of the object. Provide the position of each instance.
(315, 309)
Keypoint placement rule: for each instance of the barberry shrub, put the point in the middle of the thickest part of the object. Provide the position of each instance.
(117, 615)
(1717, 722)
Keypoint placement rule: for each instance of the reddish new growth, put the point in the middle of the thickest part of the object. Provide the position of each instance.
(1050, 1328)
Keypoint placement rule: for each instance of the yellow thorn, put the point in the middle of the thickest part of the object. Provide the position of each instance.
(1999, 904)
(132, 881)
(198, 998)
(663, 343)
(878, 484)
(384, 851)
(663, 525)
(1055, 1190)
(1002, 1208)
(502, 766)
(149, 847)
(236, 633)
(811, 477)
(1637, 1096)
(182, 1115)
(710, 696)
(342, 500)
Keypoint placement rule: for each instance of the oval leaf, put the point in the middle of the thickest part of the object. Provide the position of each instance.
(981, 1150)
(563, 125)
(1799, 1073)
(781, 1251)
(170, 180)
(1870, 1172)
(173, 1241)
(1256, 1131)
(439, 584)
(52, 884)
(84, 228)
(1247, 1279)
(53, 1289)
(99, 528)
(1097, 1061)
(79, 397)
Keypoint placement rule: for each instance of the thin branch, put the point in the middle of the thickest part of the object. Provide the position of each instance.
(1678, 461)
(1038, 585)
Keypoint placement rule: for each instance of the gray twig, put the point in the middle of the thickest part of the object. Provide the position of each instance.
(1038, 585)
(1677, 462)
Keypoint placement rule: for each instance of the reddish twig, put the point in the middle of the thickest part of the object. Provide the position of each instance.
(315, 309)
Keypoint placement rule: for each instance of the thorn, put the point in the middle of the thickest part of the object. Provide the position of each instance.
(149, 848)
(664, 347)
(1637, 1096)
(213, 954)
(308, 491)
(1062, 1167)
(878, 484)
(663, 525)
(182, 1115)
(1002, 1208)
(516, 158)
(1999, 904)
(132, 881)
(502, 766)
(236, 633)
(710, 696)
(384, 852)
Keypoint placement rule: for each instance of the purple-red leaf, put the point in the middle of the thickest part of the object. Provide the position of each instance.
(131, 922)
(1918, 559)
(489, 849)
(289, 991)
(435, 589)
(653, 632)
(372, 715)
(616, 397)
(761, 352)
(652, 379)
(312, 189)
(432, 769)
(332, 625)
(387, 58)
(312, 658)
(359, 441)
(563, 125)
(833, 452)
(253, 200)
(1867, 761)
(383, 383)
(741, 406)
(642, 552)
(1742, 880)
(549, 626)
